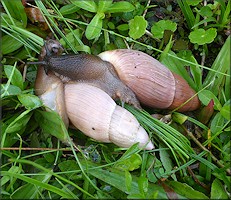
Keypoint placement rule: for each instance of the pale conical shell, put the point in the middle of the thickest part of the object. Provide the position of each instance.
(152, 82)
(123, 120)
(95, 113)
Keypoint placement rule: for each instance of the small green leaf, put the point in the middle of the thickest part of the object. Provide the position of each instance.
(131, 163)
(186, 191)
(165, 157)
(225, 111)
(201, 36)
(137, 27)
(218, 190)
(88, 5)
(143, 184)
(30, 101)
(128, 180)
(19, 122)
(16, 79)
(162, 25)
(116, 179)
(51, 123)
(206, 11)
(179, 117)
(121, 6)
(123, 27)
(8, 90)
(104, 5)
(69, 165)
(94, 28)
(9, 44)
(73, 38)
(206, 96)
(193, 2)
(217, 123)
(69, 9)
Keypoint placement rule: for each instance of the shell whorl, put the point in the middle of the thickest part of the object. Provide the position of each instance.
(152, 82)
(94, 112)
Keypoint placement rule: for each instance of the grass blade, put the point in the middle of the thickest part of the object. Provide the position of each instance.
(221, 64)
(39, 184)
(190, 19)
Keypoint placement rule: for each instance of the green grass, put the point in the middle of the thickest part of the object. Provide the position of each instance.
(39, 156)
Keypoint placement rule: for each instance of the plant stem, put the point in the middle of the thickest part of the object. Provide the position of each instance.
(205, 149)
(33, 149)
(146, 10)
(196, 179)
(205, 4)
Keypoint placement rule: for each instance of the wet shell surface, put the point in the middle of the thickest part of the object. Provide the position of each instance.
(152, 82)
(94, 112)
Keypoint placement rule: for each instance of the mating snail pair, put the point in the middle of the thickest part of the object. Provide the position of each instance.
(81, 88)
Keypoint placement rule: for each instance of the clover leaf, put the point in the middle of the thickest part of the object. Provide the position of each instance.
(201, 36)
(162, 25)
(137, 27)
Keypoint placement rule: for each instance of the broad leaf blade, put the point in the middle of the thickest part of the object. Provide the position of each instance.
(186, 191)
(121, 6)
(104, 5)
(9, 44)
(51, 123)
(94, 28)
(14, 75)
(88, 5)
(218, 190)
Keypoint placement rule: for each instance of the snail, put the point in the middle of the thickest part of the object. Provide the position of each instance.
(130, 75)
(89, 108)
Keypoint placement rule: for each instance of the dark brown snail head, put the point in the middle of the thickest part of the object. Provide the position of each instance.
(50, 48)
